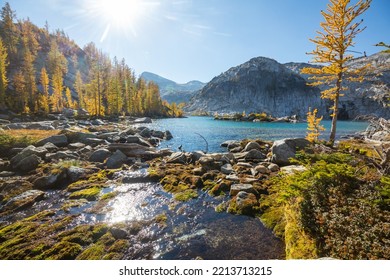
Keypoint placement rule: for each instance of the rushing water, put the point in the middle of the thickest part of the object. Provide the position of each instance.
(215, 132)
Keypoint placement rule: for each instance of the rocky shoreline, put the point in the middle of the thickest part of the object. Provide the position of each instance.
(74, 168)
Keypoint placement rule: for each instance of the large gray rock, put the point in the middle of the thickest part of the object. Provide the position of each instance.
(61, 155)
(168, 135)
(100, 155)
(254, 155)
(283, 150)
(116, 160)
(158, 134)
(74, 173)
(236, 188)
(50, 147)
(146, 132)
(24, 200)
(143, 120)
(40, 126)
(227, 169)
(58, 140)
(49, 181)
(28, 163)
(26, 152)
(78, 136)
(177, 157)
(252, 146)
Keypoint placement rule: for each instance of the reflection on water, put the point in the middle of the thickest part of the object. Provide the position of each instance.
(136, 202)
(193, 228)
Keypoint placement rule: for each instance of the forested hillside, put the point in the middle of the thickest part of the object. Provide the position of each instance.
(44, 72)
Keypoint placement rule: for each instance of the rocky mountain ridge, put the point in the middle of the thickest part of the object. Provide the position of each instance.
(264, 85)
(172, 91)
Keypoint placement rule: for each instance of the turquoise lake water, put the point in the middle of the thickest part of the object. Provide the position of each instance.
(215, 131)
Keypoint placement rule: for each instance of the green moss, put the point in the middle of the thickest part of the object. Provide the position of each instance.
(299, 245)
(220, 188)
(161, 219)
(68, 204)
(222, 207)
(94, 252)
(88, 194)
(186, 195)
(208, 185)
(62, 251)
(98, 231)
(119, 246)
(108, 196)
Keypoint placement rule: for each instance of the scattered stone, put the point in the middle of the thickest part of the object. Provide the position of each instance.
(168, 135)
(4, 165)
(244, 164)
(261, 169)
(2, 121)
(236, 150)
(62, 155)
(198, 171)
(158, 134)
(227, 169)
(94, 141)
(30, 150)
(283, 150)
(97, 122)
(77, 136)
(177, 157)
(107, 136)
(74, 173)
(86, 149)
(291, 169)
(154, 141)
(69, 113)
(28, 163)
(118, 233)
(58, 140)
(196, 155)
(252, 146)
(24, 200)
(116, 160)
(236, 188)
(15, 126)
(100, 155)
(50, 147)
(273, 167)
(233, 178)
(7, 173)
(146, 132)
(248, 180)
(143, 120)
(132, 139)
(76, 146)
(245, 200)
(254, 155)
(227, 143)
(137, 150)
(46, 182)
(40, 126)
(234, 145)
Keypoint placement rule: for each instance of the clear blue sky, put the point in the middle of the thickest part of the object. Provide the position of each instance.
(197, 39)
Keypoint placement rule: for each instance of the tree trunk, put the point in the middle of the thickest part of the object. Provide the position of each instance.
(332, 136)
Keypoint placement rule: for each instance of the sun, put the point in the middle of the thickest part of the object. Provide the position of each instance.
(120, 13)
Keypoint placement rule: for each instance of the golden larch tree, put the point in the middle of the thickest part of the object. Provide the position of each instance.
(3, 72)
(339, 30)
(44, 98)
(314, 126)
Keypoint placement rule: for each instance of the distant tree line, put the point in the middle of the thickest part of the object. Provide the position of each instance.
(34, 66)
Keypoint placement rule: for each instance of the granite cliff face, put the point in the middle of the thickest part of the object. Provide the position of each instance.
(259, 85)
(264, 85)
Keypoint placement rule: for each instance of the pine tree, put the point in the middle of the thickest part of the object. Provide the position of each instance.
(30, 82)
(79, 88)
(9, 32)
(69, 101)
(18, 101)
(332, 45)
(3, 72)
(56, 99)
(44, 98)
